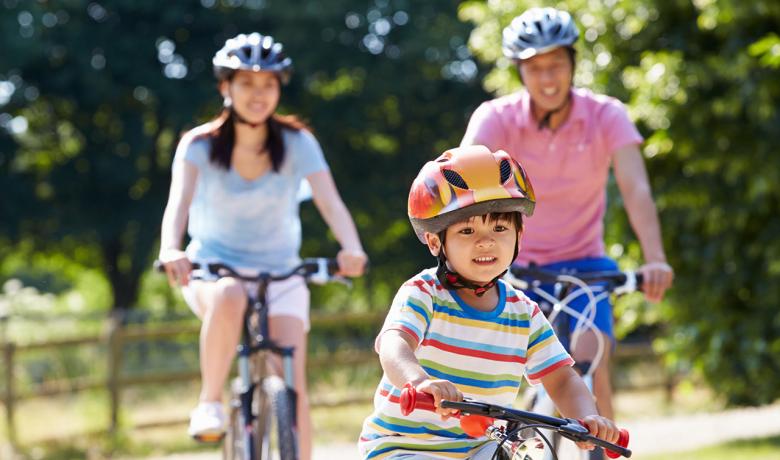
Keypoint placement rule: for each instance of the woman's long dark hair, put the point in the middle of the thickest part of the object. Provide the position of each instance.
(223, 137)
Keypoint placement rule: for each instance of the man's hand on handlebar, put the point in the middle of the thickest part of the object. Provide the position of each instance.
(658, 277)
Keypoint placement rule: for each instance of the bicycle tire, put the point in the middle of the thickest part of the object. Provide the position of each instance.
(282, 403)
(234, 446)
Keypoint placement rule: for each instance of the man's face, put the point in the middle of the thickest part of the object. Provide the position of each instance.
(548, 78)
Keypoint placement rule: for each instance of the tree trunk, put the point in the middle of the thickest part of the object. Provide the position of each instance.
(124, 283)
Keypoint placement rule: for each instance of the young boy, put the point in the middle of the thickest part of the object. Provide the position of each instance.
(460, 331)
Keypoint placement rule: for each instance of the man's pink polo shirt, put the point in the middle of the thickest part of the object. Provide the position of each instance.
(569, 168)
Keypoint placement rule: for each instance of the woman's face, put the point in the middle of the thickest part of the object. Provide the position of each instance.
(254, 95)
(547, 77)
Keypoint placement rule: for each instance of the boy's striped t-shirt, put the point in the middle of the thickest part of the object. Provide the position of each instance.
(485, 354)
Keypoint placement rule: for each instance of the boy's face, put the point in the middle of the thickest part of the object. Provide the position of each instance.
(479, 249)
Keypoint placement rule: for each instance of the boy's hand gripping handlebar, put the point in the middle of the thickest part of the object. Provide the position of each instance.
(476, 418)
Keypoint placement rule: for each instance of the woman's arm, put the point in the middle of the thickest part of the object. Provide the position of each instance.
(183, 179)
(351, 258)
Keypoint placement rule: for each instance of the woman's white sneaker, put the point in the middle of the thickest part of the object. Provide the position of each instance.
(207, 422)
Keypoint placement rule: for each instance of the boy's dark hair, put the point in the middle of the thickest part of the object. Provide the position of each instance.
(515, 217)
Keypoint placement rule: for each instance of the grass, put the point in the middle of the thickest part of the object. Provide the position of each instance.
(754, 449)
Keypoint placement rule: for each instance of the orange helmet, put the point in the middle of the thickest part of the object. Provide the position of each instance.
(464, 182)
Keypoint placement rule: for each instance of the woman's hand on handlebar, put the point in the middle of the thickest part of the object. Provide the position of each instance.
(600, 427)
(177, 266)
(352, 263)
(441, 390)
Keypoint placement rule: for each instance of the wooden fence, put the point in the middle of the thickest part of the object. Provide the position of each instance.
(116, 337)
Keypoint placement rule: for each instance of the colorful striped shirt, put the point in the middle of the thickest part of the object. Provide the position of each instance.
(484, 353)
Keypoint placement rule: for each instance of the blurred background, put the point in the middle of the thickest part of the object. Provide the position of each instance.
(98, 352)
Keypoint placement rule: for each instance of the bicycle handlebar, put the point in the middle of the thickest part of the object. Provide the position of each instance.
(317, 270)
(620, 282)
(480, 416)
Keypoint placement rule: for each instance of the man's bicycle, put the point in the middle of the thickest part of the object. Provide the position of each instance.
(595, 286)
(517, 434)
(262, 412)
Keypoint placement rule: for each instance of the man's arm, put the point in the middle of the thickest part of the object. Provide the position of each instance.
(634, 186)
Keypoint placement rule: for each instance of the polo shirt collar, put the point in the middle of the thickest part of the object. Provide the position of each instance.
(523, 116)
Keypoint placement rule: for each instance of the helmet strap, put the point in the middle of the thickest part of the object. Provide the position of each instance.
(453, 280)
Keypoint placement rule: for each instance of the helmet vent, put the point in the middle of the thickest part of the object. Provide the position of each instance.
(454, 179)
(506, 171)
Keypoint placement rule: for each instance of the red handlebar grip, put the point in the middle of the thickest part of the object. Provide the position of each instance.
(412, 399)
(622, 442)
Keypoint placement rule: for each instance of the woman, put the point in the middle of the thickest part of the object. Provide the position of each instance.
(236, 178)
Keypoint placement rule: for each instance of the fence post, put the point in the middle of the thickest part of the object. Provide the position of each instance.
(114, 346)
(8, 398)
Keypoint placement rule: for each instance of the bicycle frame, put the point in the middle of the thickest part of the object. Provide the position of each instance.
(567, 287)
(255, 344)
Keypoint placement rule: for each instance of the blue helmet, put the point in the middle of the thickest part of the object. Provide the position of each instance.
(537, 31)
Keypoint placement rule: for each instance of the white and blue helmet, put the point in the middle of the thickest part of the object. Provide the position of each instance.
(538, 31)
(253, 52)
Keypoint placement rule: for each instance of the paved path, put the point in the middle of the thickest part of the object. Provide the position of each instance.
(651, 436)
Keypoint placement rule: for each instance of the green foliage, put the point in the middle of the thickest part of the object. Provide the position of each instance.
(97, 93)
(700, 79)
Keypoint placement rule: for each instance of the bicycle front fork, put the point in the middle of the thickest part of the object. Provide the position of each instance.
(289, 379)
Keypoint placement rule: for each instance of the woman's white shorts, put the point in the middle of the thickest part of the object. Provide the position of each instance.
(288, 297)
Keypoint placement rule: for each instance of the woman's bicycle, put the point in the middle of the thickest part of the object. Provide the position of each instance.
(595, 286)
(518, 436)
(262, 412)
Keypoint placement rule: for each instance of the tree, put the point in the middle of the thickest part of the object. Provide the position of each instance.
(701, 80)
(105, 88)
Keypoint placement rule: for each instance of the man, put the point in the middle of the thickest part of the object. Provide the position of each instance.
(568, 138)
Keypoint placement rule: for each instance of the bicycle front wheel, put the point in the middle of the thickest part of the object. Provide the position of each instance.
(282, 403)
(247, 441)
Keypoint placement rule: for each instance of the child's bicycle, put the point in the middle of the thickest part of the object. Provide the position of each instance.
(595, 286)
(519, 438)
(263, 400)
